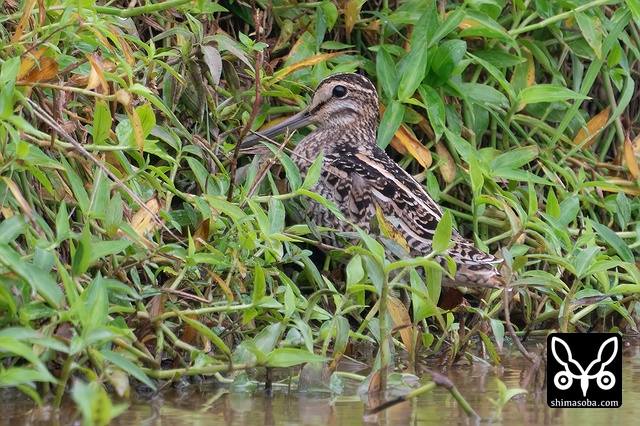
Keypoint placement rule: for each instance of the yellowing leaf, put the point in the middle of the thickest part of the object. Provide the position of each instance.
(351, 10)
(448, 167)
(136, 125)
(388, 230)
(46, 69)
(96, 75)
(303, 64)
(402, 321)
(404, 141)
(142, 221)
(17, 194)
(26, 15)
(594, 126)
(630, 158)
(468, 23)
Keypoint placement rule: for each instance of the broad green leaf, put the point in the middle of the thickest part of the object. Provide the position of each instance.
(435, 109)
(611, 238)
(102, 122)
(442, 236)
(114, 214)
(515, 158)
(483, 95)
(102, 249)
(13, 227)
(127, 366)
(591, 28)
(82, 255)
(313, 173)
(207, 333)
(77, 187)
(387, 73)
(390, 122)
(94, 403)
(39, 280)
(547, 93)
(276, 216)
(475, 173)
(259, 284)
(288, 357)
(552, 208)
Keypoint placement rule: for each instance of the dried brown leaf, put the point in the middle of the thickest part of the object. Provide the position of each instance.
(630, 158)
(594, 127)
(143, 221)
(96, 75)
(303, 64)
(46, 69)
(17, 194)
(402, 321)
(448, 167)
(404, 142)
(388, 230)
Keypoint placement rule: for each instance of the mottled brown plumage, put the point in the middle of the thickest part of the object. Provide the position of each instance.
(357, 175)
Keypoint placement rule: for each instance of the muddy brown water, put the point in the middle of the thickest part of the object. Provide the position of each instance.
(211, 404)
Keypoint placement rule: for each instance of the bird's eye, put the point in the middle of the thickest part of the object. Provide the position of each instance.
(339, 91)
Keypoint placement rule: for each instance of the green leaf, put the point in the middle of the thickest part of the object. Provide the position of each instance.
(413, 69)
(442, 236)
(313, 173)
(207, 333)
(288, 357)
(102, 122)
(13, 227)
(114, 214)
(553, 208)
(259, 284)
(39, 280)
(320, 199)
(331, 13)
(82, 256)
(451, 22)
(483, 95)
(498, 331)
(99, 196)
(94, 403)
(390, 122)
(547, 93)
(387, 73)
(102, 249)
(435, 109)
(514, 159)
(199, 171)
(611, 238)
(475, 173)
(591, 28)
(276, 216)
(147, 118)
(77, 187)
(128, 367)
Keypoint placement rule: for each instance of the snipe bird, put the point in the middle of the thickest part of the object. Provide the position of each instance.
(357, 175)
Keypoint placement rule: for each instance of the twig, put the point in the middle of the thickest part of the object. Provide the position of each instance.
(510, 329)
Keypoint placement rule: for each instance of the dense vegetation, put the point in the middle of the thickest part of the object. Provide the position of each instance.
(136, 243)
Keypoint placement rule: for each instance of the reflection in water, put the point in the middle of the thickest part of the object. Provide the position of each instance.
(212, 404)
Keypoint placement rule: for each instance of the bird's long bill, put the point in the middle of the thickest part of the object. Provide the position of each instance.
(292, 123)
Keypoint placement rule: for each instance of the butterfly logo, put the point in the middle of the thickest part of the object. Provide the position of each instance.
(564, 379)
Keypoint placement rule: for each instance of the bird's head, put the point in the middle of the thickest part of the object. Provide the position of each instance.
(343, 102)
